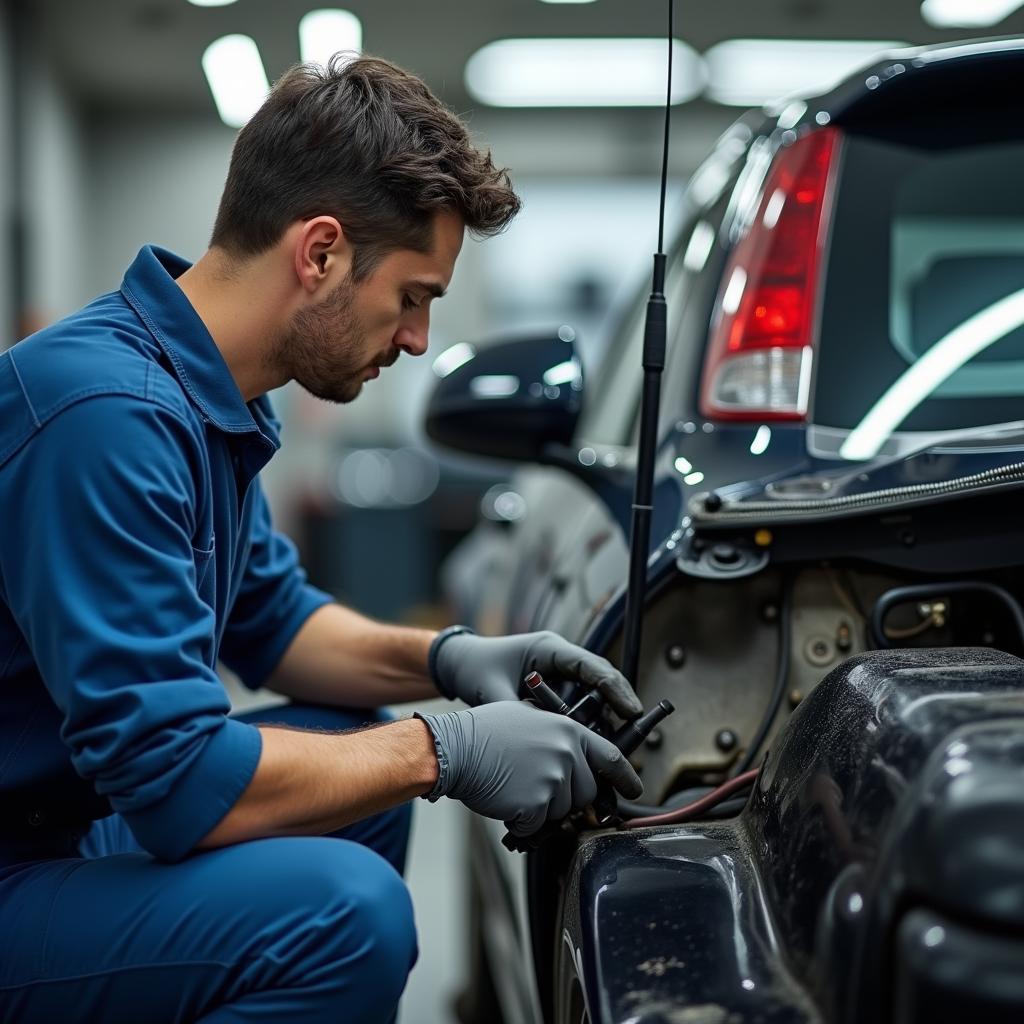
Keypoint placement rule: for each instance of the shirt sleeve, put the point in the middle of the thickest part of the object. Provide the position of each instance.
(273, 601)
(99, 572)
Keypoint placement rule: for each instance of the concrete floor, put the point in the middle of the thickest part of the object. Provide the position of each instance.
(436, 879)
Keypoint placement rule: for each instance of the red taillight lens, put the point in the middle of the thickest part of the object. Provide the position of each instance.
(762, 336)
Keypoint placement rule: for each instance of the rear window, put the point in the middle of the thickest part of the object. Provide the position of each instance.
(922, 326)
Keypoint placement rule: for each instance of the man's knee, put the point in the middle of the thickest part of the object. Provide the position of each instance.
(363, 910)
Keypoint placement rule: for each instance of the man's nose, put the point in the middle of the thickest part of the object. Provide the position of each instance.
(412, 338)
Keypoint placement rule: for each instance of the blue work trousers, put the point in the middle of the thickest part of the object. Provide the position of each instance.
(294, 930)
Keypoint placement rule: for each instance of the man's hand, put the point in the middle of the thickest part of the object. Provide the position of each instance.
(523, 766)
(480, 670)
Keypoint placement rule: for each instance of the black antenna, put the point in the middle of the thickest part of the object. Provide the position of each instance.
(653, 362)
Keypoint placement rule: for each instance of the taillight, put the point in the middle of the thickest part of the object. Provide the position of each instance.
(758, 365)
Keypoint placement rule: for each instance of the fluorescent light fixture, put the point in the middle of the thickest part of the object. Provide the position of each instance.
(693, 478)
(967, 13)
(324, 33)
(566, 1)
(563, 373)
(211, 3)
(752, 72)
(734, 291)
(582, 73)
(762, 439)
(683, 466)
(494, 385)
(941, 361)
(698, 249)
(452, 358)
(238, 81)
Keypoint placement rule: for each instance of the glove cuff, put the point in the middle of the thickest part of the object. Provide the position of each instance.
(444, 768)
(432, 653)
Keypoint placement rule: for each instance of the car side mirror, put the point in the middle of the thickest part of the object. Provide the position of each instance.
(508, 400)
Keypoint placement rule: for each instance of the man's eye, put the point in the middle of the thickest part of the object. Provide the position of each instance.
(408, 303)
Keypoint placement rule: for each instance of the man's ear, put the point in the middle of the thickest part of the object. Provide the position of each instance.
(323, 255)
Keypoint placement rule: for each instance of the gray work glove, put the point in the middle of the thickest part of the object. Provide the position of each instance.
(524, 766)
(480, 670)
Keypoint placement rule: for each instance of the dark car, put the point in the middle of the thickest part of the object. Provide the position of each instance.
(833, 586)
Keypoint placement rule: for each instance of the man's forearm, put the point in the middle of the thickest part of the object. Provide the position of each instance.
(341, 657)
(309, 783)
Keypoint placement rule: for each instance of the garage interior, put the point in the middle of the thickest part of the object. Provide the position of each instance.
(114, 139)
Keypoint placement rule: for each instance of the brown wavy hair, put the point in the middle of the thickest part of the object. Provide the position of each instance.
(367, 142)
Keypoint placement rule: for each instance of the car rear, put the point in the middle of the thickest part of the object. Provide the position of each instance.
(873, 290)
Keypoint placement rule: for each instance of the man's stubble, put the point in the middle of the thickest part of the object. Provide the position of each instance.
(323, 348)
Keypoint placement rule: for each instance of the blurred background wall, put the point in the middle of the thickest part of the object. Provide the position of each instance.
(112, 139)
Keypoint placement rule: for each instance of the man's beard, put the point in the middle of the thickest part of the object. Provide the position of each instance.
(323, 347)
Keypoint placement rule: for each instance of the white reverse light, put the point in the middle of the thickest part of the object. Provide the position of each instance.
(967, 13)
(324, 33)
(582, 73)
(752, 72)
(941, 361)
(237, 79)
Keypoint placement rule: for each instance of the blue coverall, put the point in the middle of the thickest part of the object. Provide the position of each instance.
(136, 550)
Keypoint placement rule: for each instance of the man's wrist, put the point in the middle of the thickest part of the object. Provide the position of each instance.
(434, 652)
(435, 777)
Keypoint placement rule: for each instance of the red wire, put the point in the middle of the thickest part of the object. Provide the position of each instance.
(716, 796)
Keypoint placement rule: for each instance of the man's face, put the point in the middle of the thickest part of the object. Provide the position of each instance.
(334, 347)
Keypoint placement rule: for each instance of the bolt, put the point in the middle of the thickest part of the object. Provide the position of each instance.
(725, 556)
(675, 655)
(726, 740)
(843, 639)
(770, 612)
(713, 502)
(819, 651)
(795, 696)
(908, 538)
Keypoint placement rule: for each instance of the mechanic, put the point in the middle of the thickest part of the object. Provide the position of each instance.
(160, 860)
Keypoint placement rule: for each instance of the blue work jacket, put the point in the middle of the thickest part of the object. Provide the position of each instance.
(136, 549)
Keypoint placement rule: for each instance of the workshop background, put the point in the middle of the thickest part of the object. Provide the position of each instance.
(118, 118)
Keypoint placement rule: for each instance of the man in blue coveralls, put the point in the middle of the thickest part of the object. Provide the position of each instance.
(160, 860)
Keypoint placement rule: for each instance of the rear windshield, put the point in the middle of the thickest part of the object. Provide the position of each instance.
(922, 326)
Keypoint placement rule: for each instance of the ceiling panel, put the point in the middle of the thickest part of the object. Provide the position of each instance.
(132, 54)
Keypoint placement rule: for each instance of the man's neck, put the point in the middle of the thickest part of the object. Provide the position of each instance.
(241, 310)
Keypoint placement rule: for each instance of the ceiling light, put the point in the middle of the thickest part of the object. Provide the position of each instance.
(211, 3)
(582, 73)
(566, 1)
(237, 78)
(324, 33)
(751, 72)
(967, 13)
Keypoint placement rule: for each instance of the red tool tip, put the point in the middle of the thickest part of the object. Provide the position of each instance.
(534, 679)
